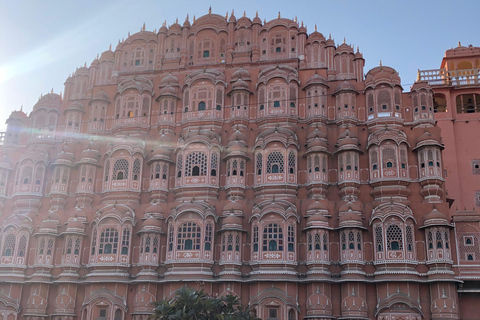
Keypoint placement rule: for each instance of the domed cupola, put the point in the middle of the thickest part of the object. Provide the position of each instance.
(233, 207)
(350, 215)
(435, 218)
(49, 225)
(347, 140)
(257, 20)
(317, 215)
(154, 210)
(76, 224)
(315, 36)
(317, 141)
(232, 222)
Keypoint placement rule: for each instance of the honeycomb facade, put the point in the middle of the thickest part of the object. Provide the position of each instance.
(235, 156)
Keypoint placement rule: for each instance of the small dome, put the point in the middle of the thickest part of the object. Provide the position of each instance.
(382, 74)
(350, 219)
(316, 79)
(435, 218)
(315, 36)
(347, 140)
(48, 226)
(75, 225)
(175, 28)
(350, 206)
(241, 74)
(154, 209)
(50, 100)
(107, 55)
(168, 91)
(244, 22)
(237, 136)
(316, 207)
(330, 42)
(232, 18)
(233, 206)
(64, 157)
(169, 80)
(240, 84)
(76, 106)
(257, 20)
(90, 155)
(428, 139)
(316, 134)
(345, 86)
(186, 24)
(344, 48)
(151, 223)
(17, 115)
(232, 221)
(101, 95)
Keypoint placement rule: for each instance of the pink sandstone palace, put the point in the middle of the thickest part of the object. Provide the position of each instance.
(245, 157)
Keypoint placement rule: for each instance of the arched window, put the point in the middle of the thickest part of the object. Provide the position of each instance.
(255, 239)
(201, 106)
(208, 237)
(275, 162)
(196, 164)
(108, 241)
(189, 236)
(291, 239)
(120, 169)
(136, 169)
(394, 238)
(125, 241)
(273, 238)
(9, 245)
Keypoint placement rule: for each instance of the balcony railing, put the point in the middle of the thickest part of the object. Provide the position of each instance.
(443, 77)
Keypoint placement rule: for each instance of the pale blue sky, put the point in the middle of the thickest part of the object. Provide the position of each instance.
(43, 41)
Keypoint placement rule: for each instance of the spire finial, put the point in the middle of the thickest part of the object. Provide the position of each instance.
(164, 23)
(279, 15)
(315, 27)
(296, 19)
(176, 20)
(226, 16)
(344, 40)
(244, 13)
(358, 49)
(209, 9)
(233, 12)
(256, 14)
(330, 36)
(85, 65)
(97, 56)
(380, 62)
(110, 47)
(21, 107)
(143, 28)
(129, 33)
(264, 21)
(193, 18)
(459, 44)
(186, 19)
(302, 23)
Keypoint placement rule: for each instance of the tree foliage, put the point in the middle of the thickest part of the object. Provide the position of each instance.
(190, 304)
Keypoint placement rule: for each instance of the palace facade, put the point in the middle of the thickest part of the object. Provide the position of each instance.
(235, 156)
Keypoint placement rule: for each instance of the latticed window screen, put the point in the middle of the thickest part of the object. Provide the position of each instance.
(242, 168)
(379, 238)
(316, 163)
(275, 162)
(147, 244)
(125, 240)
(273, 237)
(291, 238)
(189, 236)
(344, 241)
(208, 236)
(430, 240)
(156, 174)
(469, 251)
(9, 245)
(291, 162)
(389, 158)
(76, 249)
(318, 241)
(409, 237)
(214, 164)
(348, 160)
(41, 246)
(255, 238)
(403, 158)
(94, 240)
(22, 246)
(359, 241)
(136, 169)
(230, 242)
(195, 160)
(107, 170)
(179, 165)
(155, 245)
(259, 163)
(351, 240)
(325, 241)
(120, 169)
(310, 242)
(69, 246)
(394, 237)
(234, 167)
(374, 159)
(108, 241)
(237, 243)
(164, 171)
(49, 247)
(170, 237)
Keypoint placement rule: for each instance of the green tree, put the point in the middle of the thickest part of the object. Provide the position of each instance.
(190, 304)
